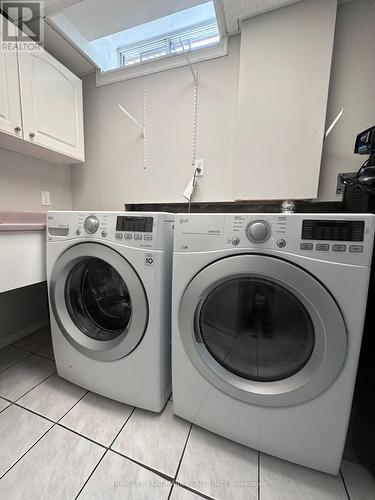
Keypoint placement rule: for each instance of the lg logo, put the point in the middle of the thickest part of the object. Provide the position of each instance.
(149, 259)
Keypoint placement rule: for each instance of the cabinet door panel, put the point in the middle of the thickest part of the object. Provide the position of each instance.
(283, 89)
(10, 112)
(51, 104)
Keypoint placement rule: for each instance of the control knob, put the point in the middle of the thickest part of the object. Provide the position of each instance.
(91, 224)
(258, 231)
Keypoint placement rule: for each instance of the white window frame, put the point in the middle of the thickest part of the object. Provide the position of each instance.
(170, 61)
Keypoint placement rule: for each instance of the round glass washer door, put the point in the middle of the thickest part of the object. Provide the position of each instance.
(262, 330)
(98, 301)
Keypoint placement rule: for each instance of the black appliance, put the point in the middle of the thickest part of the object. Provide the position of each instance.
(359, 197)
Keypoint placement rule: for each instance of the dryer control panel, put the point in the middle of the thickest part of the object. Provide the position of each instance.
(346, 238)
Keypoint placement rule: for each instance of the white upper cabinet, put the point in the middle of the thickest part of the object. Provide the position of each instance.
(51, 97)
(283, 90)
(10, 109)
(41, 108)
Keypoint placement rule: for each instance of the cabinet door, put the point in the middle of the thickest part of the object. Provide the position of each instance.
(283, 89)
(51, 98)
(10, 110)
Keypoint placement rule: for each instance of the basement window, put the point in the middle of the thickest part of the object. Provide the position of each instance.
(138, 36)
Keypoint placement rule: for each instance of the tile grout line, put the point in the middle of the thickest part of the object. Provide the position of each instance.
(71, 408)
(183, 452)
(59, 424)
(104, 454)
(175, 482)
(144, 466)
(33, 353)
(91, 474)
(81, 435)
(34, 412)
(41, 382)
(117, 435)
(40, 414)
(27, 451)
(343, 480)
(54, 424)
(190, 490)
(14, 364)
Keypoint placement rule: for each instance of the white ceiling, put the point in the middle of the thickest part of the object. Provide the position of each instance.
(233, 11)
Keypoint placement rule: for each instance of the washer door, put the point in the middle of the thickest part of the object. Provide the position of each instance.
(263, 330)
(98, 301)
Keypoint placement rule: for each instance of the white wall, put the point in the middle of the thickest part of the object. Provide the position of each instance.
(23, 178)
(352, 88)
(114, 173)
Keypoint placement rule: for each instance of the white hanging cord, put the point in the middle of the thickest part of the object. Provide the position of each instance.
(196, 172)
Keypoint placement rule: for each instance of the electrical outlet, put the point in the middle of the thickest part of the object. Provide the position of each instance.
(46, 198)
(199, 164)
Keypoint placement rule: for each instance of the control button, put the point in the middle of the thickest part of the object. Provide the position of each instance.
(91, 224)
(281, 243)
(235, 241)
(306, 246)
(104, 234)
(147, 237)
(78, 232)
(356, 248)
(137, 236)
(322, 247)
(128, 236)
(118, 236)
(258, 231)
(339, 248)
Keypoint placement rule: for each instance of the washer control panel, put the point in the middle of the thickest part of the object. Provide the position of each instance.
(133, 229)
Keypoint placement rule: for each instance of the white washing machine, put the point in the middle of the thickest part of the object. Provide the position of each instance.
(109, 283)
(267, 319)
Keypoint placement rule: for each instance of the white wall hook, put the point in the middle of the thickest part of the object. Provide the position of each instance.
(134, 120)
(329, 129)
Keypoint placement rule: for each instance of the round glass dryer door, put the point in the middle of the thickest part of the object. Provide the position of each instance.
(262, 330)
(256, 329)
(98, 301)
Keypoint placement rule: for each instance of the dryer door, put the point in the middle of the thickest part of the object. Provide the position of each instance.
(98, 301)
(263, 330)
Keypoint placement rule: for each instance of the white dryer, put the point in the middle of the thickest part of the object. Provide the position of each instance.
(267, 319)
(109, 283)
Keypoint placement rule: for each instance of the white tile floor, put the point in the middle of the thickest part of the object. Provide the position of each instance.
(62, 442)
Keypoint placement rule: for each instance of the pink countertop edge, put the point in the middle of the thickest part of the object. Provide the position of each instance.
(16, 220)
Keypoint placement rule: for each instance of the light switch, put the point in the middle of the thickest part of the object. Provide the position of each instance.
(46, 199)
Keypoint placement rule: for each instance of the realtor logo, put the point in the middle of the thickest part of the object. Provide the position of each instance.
(24, 30)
